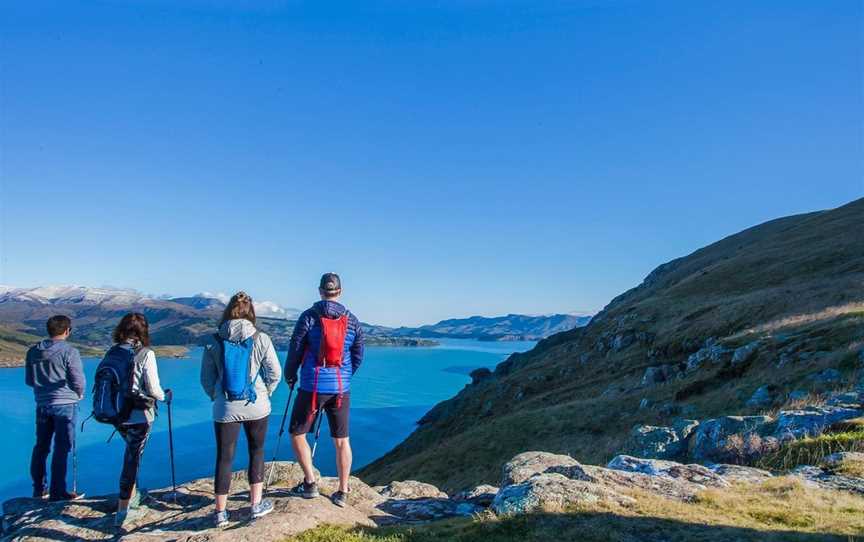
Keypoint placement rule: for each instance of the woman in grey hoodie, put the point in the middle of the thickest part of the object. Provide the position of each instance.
(252, 414)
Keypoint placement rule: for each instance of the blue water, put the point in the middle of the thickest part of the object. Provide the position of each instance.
(392, 390)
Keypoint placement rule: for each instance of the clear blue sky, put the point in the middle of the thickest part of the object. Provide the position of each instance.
(447, 158)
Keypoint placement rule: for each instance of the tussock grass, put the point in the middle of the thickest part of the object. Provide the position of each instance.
(780, 509)
(811, 450)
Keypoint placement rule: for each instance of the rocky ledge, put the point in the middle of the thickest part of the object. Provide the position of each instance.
(531, 481)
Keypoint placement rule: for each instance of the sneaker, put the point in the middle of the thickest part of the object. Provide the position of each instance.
(69, 496)
(264, 507)
(307, 491)
(40, 494)
(220, 519)
(340, 499)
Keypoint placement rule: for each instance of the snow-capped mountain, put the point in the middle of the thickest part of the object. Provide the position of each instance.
(50, 295)
(265, 309)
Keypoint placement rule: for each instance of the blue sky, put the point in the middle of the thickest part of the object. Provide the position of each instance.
(447, 158)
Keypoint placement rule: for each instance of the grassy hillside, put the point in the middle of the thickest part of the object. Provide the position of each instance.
(795, 284)
(14, 345)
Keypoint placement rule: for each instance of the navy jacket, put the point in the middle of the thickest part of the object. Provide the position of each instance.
(53, 369)
(303, 351)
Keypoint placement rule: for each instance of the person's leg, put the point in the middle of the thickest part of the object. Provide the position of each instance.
(301, 423)
(226, 443)
(44, 433)
(64, 435)
(256, 433)
(343, 461)
(136, 439)
(338, 420)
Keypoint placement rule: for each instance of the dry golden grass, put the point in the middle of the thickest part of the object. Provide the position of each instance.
(782, 509)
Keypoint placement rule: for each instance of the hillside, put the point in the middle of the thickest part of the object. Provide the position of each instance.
(512, 327)
(777, 308)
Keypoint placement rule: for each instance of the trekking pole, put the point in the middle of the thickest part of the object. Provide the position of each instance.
(317, 432)
(279, 438)
(171, 448)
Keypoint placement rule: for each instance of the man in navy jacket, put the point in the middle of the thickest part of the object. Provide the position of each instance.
(53, 369)
(326, 388)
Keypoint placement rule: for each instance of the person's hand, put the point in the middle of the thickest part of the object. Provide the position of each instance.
(169, 396)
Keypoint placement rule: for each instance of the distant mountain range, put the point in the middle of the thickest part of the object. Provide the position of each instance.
(191, 320)
(513, 327)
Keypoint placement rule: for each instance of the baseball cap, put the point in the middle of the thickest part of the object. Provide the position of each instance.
(330, 282)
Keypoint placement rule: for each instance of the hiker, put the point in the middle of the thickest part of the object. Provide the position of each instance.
(132, 353)
(239, 372)
(327, 347)
(53, 369)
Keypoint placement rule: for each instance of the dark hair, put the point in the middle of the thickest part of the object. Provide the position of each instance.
(58, 325)
(240, 307)
(133, 326)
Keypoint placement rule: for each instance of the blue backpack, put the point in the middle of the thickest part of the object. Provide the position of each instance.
(112, 387)
(236, 360)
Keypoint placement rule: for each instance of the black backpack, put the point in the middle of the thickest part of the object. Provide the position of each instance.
(113, 399)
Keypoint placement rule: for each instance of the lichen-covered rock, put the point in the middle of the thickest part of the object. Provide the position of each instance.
(811, 420)
(711, 353)
(622, 481)
(552, 492)
(741, 474)
(411, 489)
(426, 509)
(837, 459)
(527, 464)
(827, 480)
(848, 398)
(695, 474)
(826, 376)
(482, 495)
(710, 440)
(654, 442)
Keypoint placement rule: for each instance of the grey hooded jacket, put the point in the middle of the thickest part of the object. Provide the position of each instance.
(263, 359)
(53, 369)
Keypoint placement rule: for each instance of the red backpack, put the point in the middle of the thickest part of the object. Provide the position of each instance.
(331, 351)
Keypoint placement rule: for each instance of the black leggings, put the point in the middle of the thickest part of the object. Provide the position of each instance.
(136, 436)
(226, 442)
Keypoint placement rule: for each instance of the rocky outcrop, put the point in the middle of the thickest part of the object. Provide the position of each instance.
(660, 442)
(411, 489)
(761, 397)
(482, 495)
(811, 420)
(741, 474)
(694, 474)
(528, 464)
(552, 491)
(712, 439)
(824, 478)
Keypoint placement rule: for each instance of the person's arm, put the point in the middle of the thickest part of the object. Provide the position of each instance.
(150, 377)
(75, 372)
(208, 371)
(28, 370)
(358, 347)
(297, 346)
(271, 369)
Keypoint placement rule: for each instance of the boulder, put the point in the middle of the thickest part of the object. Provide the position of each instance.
(482, 495)
(552, 492)
(654, 442)
(658, 374)
(695, 474)
(709, 441)
(760, 398)
(413, 510)
(411, 489)
(745, 353)
(798, 395)
(819, 477)
(528, 464)
(848, 398)
(684, 427)
(811, 420)
(711, 353)
(623, 481)
(837, 459)
(741, 474)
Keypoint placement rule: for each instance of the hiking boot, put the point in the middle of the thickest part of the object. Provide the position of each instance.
(307, 491)
(40, 494)
(220, 518)
(68, 496)
(340, 499)
(264, 507)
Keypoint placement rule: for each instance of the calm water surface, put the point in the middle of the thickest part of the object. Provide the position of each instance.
(392, 390)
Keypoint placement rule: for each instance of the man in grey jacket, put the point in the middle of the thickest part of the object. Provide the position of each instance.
(53, 369)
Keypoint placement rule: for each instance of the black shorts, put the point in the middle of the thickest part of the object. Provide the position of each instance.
(302, 417)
